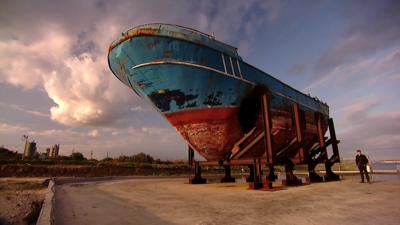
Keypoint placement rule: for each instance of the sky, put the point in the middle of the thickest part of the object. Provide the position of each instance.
(56, 87)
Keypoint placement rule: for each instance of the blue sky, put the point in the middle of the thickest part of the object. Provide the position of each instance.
(56, 87)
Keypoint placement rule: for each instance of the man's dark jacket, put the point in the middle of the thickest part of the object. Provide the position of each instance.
(361, 161)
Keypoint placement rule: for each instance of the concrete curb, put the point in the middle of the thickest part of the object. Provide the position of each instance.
(46, 216)
(72, 180)
(348, 172)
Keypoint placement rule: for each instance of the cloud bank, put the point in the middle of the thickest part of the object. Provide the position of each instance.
(65, 52)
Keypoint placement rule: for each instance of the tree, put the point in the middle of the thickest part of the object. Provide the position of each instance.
(77, 156)
(141, 157)
(107, 159)
(124, 158)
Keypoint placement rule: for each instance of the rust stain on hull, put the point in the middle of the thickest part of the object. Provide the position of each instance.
(213, 132)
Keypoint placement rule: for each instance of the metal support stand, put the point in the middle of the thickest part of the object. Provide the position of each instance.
(268, 141)
(314, 177)
(228, 177)
(291, 179)
(190, 156)
(197, 175)
(317, 153)
(312, 163)
(330, 175)
(271, 174)
(323, 155)
(250, 178)
(257, 175)
(267, 124)
(300, 124)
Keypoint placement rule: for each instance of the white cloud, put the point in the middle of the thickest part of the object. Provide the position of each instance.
(10, 128)
(26, 64)
(22, 109)
(83, 89)
(366, 71)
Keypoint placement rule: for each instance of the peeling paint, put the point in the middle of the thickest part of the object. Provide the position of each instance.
(164, 98)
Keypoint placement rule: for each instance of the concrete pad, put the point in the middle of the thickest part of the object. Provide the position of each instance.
(161, 201)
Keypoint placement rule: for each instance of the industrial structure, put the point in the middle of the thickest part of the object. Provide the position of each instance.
(53, 151)
(30, 149)
(227, 110)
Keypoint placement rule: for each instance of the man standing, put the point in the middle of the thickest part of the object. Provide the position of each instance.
(362, 161)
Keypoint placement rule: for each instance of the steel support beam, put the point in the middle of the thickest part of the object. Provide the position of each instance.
(330, 175)
(190, 156)
(250, 178)
(228, 176)
(268, 141)
(299, 132)
(335, 142)
(197, 175)
(267, 125)
(291, 179)
(257, 175)
(312, 162)
(321, 137)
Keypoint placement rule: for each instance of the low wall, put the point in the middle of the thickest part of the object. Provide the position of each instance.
(84, 171)
(46, 216)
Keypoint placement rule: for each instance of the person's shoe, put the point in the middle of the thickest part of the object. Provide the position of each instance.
(362, 182)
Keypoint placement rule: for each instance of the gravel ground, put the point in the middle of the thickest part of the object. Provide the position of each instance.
(17, 196)
(171, 201)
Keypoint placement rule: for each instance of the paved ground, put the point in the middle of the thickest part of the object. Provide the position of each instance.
(162, 201)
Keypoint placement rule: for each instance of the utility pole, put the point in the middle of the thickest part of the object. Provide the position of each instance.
(91, 154)
(25, 138)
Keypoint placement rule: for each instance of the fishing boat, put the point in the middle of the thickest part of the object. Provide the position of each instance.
(211, 95)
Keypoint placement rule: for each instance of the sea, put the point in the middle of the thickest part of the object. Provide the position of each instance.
(385, 166)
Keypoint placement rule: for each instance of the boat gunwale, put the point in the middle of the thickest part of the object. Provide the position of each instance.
(164, 62)
(127, 37)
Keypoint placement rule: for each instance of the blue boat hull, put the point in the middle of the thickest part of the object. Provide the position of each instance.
(200, 85)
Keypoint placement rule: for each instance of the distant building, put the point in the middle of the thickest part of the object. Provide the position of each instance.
(55, 149)
(30, 149)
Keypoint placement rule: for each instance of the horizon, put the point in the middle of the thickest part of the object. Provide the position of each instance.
(392, 160)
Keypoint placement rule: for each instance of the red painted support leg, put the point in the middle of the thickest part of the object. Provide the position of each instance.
(257, 176)
(312, 163)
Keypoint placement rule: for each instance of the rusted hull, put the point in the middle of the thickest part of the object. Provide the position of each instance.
(212, 132)
(202, 87)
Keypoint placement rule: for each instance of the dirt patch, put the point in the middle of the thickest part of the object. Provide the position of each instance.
(20, 200)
